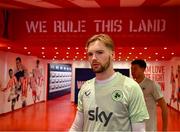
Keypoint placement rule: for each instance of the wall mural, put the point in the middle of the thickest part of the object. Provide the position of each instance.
(24, 87)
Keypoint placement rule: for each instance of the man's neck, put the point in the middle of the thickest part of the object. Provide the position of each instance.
(105, 75)
(140, 79)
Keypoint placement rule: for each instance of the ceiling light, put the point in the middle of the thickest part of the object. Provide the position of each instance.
(63, 59)
(44, 56)
(9, 47)
(55, 56)
(84, 56)
(119, 56)
(77, 48)
(145, 48)
(29, 53)
(81, 59)
(68, 48)
(67, 56)
(85, 53)
(25, 48)
(67, 53)
(136, 57)
(75, 56)
(162, 57)
(140, 53)
(156, 59)
(77, 53)
(130, 53)
(120, 53)
(149, 57)
(57, 53)
(128, 57)
(53, 59)
(165, 48)
(42, 53)
(156, 53)
(172, 53)
(55, 48)
(132, 48)
(43, 48)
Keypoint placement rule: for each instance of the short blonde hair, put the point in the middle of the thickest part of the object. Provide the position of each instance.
(106, 39)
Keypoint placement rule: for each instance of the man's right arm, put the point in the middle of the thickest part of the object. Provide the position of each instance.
(78, 122)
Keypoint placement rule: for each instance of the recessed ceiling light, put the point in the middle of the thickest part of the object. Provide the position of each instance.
(128, 57)
(77, 47)
(68, 48)
(74, 59)
(67, 56)
(63, 59)
(84, 56)
(140, 53)
(156, 53)
(53, 59)
(172, 53)
(156, 59)
(44, 56)
(85, 53)
(149, 57)
(81, 59)
(165, 48)
(120, 53)
(119, 56)
(136, 57)
(55, 48)
(75, 56)
(43, 48)
(67, 53)
(42, 53)
(29, 53)
(25, 48)
(57, 53)
(130, 53)
(162, 57)
(77, 53)
(145, 48)
(145, 59)
(132, 48)
(9, 47)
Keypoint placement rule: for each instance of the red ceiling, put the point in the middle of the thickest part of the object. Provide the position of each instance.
(162, 50)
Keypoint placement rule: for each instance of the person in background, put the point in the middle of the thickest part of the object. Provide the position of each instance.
(13, 89)
(110, 101)
(152, 94)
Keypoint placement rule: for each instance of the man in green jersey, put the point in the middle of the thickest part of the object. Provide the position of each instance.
(110, 101)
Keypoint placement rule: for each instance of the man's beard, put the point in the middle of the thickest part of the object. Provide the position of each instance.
(102, 68)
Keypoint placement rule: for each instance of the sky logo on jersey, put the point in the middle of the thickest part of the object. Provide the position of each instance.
(96, 115)
(117, 95)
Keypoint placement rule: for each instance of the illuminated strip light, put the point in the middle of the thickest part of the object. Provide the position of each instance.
(39, 3)
(131, 3)
(85, 3)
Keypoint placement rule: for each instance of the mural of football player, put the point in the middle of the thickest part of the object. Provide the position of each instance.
(38, 78)
(19, 73)
(173, 86)
(24, 87)
(178, 89)
(12, 83)
(34, 86)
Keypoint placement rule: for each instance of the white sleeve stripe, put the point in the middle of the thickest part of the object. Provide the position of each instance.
(138, 127)
(78, 122)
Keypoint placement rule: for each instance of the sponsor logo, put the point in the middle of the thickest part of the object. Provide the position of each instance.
(87, 93)
(96, 115)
